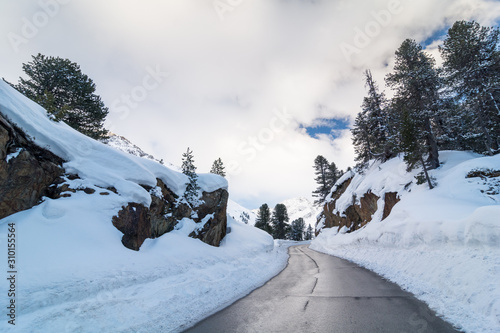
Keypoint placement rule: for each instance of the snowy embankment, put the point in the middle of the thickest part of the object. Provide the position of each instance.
(74, 274)
(443, 245)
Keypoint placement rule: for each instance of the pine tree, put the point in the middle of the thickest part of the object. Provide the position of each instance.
(191, 194)
(309, 233)
(264, 219)
(297, 229)
(66, 93)
(321, 167)
(416, 103)
(218, 168)
(332, 175)
(471, 69)
(371, 131)
(279, 221)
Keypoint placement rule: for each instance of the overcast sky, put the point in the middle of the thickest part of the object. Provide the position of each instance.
(237, 79)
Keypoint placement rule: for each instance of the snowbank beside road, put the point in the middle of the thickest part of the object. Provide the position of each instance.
(443, 245)
(79, 278)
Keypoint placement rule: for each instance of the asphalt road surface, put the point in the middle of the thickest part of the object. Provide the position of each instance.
(321, 293)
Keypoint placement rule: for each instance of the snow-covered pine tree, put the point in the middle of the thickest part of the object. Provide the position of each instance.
(263, 220)
(279, 221)
(471, 68)
(218, 168)
(361, 139)
(188, 168)
(66, 93)
(371, 131)
(321, 169)
(416, 104)
(297, 229)
(309, 233)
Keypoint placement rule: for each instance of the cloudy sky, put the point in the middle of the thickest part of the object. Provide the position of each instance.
(244, 80)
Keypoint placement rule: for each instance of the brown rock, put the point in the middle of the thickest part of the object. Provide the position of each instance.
(134, 223)
(164, 213)
(390, 200)
(214, 229)
(89, 190)
(24, 180)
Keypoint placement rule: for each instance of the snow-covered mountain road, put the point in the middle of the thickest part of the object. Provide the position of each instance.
(321, 293)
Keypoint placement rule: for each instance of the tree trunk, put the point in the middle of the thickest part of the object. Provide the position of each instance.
(487, 138)
(433, 158)
(426, 174)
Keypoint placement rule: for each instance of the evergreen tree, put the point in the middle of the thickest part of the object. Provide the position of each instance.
(264, 219)
(66, 93)
(321, 167)
(309, 233)
(471, 71)
(332, 175)
(188, 168)
(416, 104)
(279, 221)
(218, 168)
(361, 139)
(370, 131)
(297, 229)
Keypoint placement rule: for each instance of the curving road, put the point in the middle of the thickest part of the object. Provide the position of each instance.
(321, 293)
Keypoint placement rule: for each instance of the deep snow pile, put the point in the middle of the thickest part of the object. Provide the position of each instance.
(74, 274)
(442, 245)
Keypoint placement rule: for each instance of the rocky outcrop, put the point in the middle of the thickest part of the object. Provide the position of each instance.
(390, 200)
(359, 213)
(26, 170)
(28, 173)
(214, 228)
(166, 210)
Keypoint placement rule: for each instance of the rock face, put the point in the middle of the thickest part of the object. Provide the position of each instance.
(214, 229)
(138, 222)
(356, 215)
(26, 170)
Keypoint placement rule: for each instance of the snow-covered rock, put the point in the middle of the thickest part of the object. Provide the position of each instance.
(36, 167)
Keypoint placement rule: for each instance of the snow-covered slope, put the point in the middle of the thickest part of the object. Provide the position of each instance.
(302, 207)
(299, 207)
(236, 211)
(123, 144)
(442, 245)
(74, 274)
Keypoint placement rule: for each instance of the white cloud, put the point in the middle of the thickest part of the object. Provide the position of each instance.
(227, 76)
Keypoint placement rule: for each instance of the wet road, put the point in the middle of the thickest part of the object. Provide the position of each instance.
(321, 293)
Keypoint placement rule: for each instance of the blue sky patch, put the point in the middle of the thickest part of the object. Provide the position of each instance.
(331, 126)
(436, 35)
